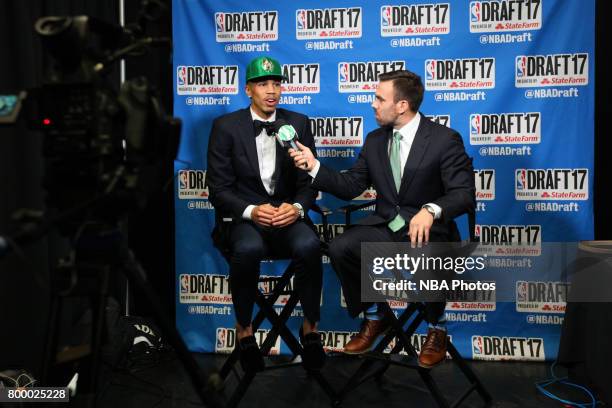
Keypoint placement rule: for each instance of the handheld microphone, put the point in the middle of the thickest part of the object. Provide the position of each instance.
(286, 135)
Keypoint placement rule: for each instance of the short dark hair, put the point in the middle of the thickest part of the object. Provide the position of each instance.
(406, 86)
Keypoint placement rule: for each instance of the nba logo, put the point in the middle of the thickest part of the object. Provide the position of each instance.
(219, 22)
(183, 179)
(430, 69)
(385, 15)
(477, 345)
(521, 291)
(475, 11)
(344, 72)
(184, 283)
(521, 182)
(181, 74)
(477, 232)
(521, 66)
(300, 19)
(221, 336)
(475, 124)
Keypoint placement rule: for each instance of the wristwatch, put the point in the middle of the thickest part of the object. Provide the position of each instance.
(430, 210)
(300, 210)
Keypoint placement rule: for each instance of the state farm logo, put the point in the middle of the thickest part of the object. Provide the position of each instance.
(246, 26)
(192, 185)
(225, 340)
(204, 288)
(474, 300)
(444, 120)
(335, 340)
(505, 15)
(328, 23)
(207, 79)
(459, 74)
(551, 184)
(337, 131)
(505, 128)
(367, 195)
(508, 348)
(551, 70)
(485, 184)
(415, 19)
(541, 297)
(508, 240)
(301, 79)
(363, 76)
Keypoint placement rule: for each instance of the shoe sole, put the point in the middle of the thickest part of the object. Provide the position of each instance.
(356, 353)
(428, 366)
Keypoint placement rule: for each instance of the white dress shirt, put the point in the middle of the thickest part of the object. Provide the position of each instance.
(408, 132)
(266, 156)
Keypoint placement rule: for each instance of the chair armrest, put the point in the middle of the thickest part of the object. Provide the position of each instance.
(351, 208)
(319, 209)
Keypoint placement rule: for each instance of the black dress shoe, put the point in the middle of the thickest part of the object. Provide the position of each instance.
(251, 359)
(314, 356)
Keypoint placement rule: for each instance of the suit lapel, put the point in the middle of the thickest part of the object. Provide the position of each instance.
(417, 152)
(383, 156)
(246, 134)
(280, 155)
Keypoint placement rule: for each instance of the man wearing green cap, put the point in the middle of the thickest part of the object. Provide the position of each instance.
(252, 180)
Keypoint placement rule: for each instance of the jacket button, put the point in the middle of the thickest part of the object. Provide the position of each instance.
(397, 208)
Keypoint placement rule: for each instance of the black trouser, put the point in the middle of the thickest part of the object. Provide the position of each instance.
(251, 243)
(345, 255)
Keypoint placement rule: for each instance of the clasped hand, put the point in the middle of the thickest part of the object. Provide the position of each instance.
(268, 215)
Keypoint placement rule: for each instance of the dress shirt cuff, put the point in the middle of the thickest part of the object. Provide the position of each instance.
(247, 212)
(437, 209)
(315, 170)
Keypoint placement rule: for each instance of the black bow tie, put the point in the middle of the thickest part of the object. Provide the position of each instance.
(260, 125)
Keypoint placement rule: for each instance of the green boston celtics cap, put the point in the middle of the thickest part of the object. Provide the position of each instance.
(264, 67)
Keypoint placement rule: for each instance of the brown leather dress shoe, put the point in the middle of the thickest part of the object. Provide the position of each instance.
(434, 349)
(363, 341)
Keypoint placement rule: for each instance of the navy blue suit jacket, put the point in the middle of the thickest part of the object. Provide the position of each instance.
(233, 175)
(437, 170)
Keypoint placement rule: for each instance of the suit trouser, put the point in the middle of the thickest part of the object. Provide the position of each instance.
(345, 255)
(250, 243)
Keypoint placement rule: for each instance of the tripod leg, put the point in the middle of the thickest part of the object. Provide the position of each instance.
(98, 311)
(136, 274)
(51, 343)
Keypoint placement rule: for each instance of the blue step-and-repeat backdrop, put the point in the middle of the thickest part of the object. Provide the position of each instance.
(514, 77)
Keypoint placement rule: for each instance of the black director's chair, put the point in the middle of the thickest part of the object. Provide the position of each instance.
(377, 362)
(265, 301)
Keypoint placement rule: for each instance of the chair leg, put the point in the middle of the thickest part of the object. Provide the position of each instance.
(469, 373)
(240, 389)
(229, 363)
(404, 341)
(433, 388)
(279, 328)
